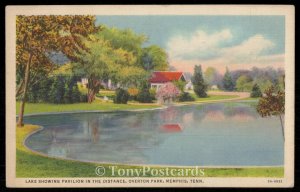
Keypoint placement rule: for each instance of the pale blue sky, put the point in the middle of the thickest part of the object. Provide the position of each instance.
(207, 38)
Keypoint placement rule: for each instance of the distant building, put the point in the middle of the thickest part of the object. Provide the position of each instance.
(84, 81)
(159, 78)
(107, 85)
(214, 87)
(189, 85)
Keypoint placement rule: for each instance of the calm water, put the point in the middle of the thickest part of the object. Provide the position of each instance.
(230, 134)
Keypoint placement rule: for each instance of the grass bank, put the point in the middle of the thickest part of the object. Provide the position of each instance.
(32, 165)
(31, 108)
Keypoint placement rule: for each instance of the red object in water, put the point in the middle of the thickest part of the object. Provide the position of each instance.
(171, 128)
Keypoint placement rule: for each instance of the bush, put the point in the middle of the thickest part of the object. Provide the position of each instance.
(152, 93)
(144, 96)
(185, 96)
(133, 92)
(122, 96)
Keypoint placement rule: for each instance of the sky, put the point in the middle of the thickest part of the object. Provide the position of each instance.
(236, 42)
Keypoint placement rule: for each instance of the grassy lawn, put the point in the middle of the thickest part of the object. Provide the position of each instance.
(96, 105)
(32, 165)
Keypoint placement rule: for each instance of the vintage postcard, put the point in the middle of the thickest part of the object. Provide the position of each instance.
(150, 96)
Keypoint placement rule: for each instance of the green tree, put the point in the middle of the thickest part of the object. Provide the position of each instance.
(244, 83)
(37, 37)
(264, 83)
(272, 104)
(57, 90)
(75, 97)
(154, 58)
(255, 91)
(211, 76)
(200, 87)
(113, 54)
(228, 83)
(179, 84)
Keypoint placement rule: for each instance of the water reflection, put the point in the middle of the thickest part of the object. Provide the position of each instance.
(213, 134)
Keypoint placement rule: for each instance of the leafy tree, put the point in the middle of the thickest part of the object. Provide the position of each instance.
(244, 83)
(154, 58)
(256, 91)
(264, 83)
(211, 76)
(272, 104)
(200, 87)
(228, 83)
(113, 54)
(37, 37)
(167, 92)
(179, 84)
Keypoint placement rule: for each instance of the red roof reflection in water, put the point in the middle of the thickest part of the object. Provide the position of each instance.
(169, 128)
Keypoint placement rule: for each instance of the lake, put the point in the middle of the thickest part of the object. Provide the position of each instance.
(220, 134)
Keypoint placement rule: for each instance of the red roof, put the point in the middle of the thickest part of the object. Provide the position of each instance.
(165, 76)
(171, 128)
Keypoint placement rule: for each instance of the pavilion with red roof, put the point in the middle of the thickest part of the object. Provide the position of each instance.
(159, 78)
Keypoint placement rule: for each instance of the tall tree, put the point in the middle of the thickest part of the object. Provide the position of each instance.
(200, 87)
(39, 36)
(228, 83)
(272, 104)
(256, 92)
(113, 54)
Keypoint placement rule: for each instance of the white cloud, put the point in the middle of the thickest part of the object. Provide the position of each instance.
(198, 44)
(248, 51)
(208, 48)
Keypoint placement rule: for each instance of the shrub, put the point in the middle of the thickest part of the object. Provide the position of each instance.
(144, 96)
(185, 96)
(133, 92)
(152, 93)
(122, 96)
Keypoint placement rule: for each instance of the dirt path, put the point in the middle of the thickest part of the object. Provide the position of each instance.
(241, 95)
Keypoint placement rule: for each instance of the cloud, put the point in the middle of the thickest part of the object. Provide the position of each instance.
(198, 44)
(214, 48)
(248, 51)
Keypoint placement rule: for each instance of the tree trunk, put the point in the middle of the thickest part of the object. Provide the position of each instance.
(26, 82)
(282, 127)
(93, 88)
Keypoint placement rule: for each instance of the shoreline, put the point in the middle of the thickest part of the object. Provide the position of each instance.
(240, 97)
